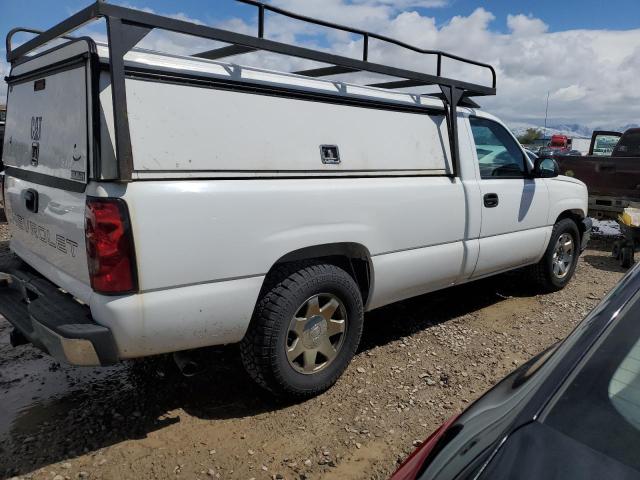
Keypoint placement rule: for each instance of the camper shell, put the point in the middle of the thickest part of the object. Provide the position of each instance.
(113, 67)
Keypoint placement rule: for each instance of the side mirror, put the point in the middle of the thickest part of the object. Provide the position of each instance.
(545, 168)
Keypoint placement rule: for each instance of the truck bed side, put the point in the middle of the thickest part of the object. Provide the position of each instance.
(611, 176)
(613, 182)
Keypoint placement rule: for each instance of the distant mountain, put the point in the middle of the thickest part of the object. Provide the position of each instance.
(575, 129)
(572, 130)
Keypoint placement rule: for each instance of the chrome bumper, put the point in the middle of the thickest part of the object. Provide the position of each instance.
(51, 319)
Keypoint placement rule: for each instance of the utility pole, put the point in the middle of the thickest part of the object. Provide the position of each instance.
(546, 114)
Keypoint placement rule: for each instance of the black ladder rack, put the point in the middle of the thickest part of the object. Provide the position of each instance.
(126, 27)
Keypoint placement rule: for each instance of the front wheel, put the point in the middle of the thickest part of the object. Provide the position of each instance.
(556, 268)
(305, 330)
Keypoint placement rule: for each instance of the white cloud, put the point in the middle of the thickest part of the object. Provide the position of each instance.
(526, 25)
(590, 73)
(569, 94)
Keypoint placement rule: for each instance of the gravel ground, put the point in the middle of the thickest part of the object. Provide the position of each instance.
(420, 362)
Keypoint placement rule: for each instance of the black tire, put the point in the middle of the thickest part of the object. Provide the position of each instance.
(263, 348)
(543, 271)
(626, 257)
(615, 251)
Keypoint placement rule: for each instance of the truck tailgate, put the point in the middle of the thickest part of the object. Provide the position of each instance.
(46, 151)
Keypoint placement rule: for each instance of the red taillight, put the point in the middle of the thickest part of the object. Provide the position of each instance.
(110, 250)
(414, 462)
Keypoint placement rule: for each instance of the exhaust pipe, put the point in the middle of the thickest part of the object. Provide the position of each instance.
(16, 338)
(186, 364)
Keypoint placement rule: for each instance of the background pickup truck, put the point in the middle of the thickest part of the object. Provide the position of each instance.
(611, 171)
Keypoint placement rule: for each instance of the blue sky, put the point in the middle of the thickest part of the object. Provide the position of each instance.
(584, 53)
(558, 15)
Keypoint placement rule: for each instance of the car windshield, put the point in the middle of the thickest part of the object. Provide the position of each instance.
(600, 405)
(547, 151)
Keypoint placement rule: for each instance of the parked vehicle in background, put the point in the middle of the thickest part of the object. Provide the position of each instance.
(572, 412)
(611, 171)
(532, 155)
(560, 142)
(295, 204)
(581, 145)
(548, 152)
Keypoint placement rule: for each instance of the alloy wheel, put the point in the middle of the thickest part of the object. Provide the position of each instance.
(316, 333)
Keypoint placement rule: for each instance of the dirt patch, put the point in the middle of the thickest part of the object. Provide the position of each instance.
(420, 362)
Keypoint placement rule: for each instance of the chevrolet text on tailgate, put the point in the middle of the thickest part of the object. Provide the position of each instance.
(160, 203)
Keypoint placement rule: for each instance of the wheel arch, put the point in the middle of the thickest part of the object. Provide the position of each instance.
(354, 258)
(575, 214)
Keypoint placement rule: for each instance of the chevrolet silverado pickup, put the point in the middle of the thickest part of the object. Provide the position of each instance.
(159, 203)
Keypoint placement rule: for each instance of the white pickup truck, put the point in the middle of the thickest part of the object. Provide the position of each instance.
(161, 203)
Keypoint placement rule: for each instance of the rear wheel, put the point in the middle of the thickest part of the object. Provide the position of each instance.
(305, 330)
(626, 257)
(558, 264)
(615, 251)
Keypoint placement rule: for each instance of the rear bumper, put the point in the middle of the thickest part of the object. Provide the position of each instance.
(603, 206)
(587, 225)
(51, 319)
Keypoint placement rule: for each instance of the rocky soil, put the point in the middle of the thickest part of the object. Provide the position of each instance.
(420, 362)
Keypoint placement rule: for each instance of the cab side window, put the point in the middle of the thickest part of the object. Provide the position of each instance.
(499, 155)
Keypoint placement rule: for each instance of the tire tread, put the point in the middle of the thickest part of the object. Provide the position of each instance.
(256, 349)
(539, 272)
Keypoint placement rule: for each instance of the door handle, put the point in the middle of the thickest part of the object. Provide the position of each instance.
(31, 200)
(491, 200)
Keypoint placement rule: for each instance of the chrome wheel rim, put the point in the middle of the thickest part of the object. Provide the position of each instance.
(316, 333)
(563, 254)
